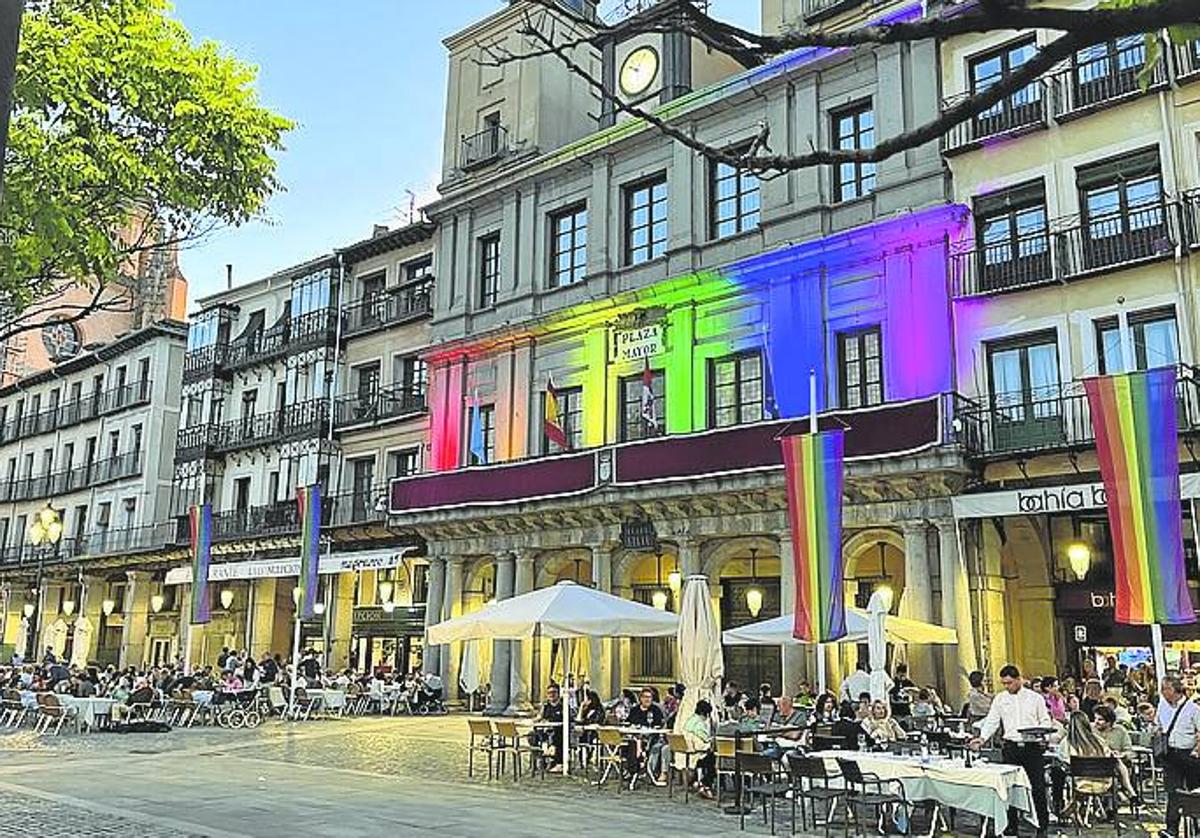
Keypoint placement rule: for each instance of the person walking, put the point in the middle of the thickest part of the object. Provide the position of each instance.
(1178, 718)
(1015, 709)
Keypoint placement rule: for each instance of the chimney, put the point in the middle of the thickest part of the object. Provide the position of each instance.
(228, 275)
(380, 230)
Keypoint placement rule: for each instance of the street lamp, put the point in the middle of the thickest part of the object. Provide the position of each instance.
(226, 598)
(661, 596)
(68, 607)
(28, 610)
(754, 594)
(385, 590)
(108, 606)
(1079, 556)
(157, 601)
(44, 533)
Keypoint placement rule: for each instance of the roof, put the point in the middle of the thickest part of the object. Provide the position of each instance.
(391, 240)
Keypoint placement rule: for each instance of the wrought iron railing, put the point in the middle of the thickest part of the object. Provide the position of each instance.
(810, 9)
(1024, 111)
(291, 334)
(399, 305)
(377, 406)
(204, 362)
(77, 411)
(1049, 419)
(1187, 60)
(485, 147)
(74, 479)
(295, 421)
(1083, 86)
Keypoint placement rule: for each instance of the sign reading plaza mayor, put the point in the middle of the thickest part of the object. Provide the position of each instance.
(638, 343)
(1049, 500)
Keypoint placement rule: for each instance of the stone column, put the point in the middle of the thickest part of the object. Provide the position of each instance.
(917, 601)
(135, 613)
(600, 672)
(90, 599)
(451, 607)
(502, 649)
(260, 614)
(522, 650)
(792, 655)
(435, 583)
(689, 558)
(340, 617)
(956, 612)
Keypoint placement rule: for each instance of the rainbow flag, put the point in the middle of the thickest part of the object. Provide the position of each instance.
(814, 468)
(309, 500)
(1136, 440)
(200, 521)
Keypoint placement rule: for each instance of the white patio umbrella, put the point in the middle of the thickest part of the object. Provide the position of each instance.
(82, 641)
(567, 611)
(468, 670)
(701, 661)
(877, 618)
(778, 631)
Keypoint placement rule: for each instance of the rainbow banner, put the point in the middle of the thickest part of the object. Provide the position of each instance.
(814, 467)
(309, 500)
(1133, 415)
(200, 527)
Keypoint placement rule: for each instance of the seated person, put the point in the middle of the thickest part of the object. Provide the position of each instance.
(1114, 735)
(752, 719)
(642, 749)
(1081, 741)
(924, 707)
(697, 730)
(880, 727)
(552, 711)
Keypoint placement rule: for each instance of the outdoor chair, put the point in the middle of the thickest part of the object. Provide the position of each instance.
(1189, 808)
(867, 791)
(516, 745)
(611, 750)
(678, 744)
(483, 741)
(1094, 784)
(302, 705)
(13, 709)
(51, 713)
(810, 782)
(763, 778)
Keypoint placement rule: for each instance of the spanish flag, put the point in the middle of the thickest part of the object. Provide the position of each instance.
(552, 423)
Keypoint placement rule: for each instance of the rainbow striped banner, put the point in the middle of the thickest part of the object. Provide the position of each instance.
(309, 500)
(814, 468)
(200, 527)
(1137, 435)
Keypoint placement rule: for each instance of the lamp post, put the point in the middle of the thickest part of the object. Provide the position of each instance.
(44, 535)
(754, 594)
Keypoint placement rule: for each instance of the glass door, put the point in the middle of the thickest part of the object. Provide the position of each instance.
(1027, 409)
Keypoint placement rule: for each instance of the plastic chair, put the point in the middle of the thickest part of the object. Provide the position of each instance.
(858, 794)
(483, 741)
(1094, 782)
(611, 750)
(678, 744)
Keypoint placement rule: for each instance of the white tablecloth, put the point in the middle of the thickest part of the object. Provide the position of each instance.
(986, 789)
(29, 699)
(88, 709)
(331, 700)
(202, 697)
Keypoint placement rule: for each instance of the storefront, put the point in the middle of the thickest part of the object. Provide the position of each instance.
(1087, 611)
(387, 639)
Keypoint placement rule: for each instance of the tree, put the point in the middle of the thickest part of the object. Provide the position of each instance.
(1079, 28)
(127, 139)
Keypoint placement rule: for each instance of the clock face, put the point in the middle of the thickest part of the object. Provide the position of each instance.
(639, 70)
(62, 340)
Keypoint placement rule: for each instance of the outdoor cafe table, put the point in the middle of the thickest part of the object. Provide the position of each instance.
(331, 700)
(628, 732)
(986, 789)
(87, 709)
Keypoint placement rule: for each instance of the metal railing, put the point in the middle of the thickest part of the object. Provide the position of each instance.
(1083, 86)
(204, 362)
(822, 8)
(1073, 248)
(482, 148)
(377, 406)
(1024, 111)
(291, 334)
(56, 483)
(77, 411)
(295, 421)
(406, 302)
(362, 507)
(1187, 60)
(1048, 419)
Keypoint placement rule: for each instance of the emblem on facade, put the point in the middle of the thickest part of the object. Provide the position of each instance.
(62, 340)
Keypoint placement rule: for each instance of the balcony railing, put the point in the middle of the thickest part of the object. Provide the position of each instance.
(77, 411)
(1072, 249)
(1050, 419)
(74, 479)
(399, 305)
(817, 9)
(1024, 111)
(368, 506)
(292, 334)
(204, 362)
(488, 146)
(377, 406)
(1187, 60)
(304, 420)
(1100, 81)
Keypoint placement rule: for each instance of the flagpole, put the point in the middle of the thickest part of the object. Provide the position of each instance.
(295, 658)
(812, 429)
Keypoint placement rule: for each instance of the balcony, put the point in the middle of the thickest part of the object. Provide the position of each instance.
(1102, 81)
(290, 335)
(77, 411)
(377, 406)
(304, 420)
(368, 506)
(75, 479)
(1187, 61)
(205, 362)
(1071, 249)
(1020, 424)
(815, 10)
(1020, 113)
(399, 305)
(484, 148)
(902, 428)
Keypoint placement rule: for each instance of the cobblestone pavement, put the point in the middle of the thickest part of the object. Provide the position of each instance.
(362, 777)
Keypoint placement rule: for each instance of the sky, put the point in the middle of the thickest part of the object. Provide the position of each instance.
(365, 81)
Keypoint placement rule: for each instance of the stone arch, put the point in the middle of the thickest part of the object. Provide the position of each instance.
(721, 552)
(479, 583)
(627, 563)
(553, 566)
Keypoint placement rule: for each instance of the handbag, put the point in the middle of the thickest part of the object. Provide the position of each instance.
(1160, 745)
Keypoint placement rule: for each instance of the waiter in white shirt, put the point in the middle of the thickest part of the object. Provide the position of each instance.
(1178, 719)
(1015, 709)
(857, 683)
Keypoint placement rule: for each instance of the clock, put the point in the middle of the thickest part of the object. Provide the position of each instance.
(62, 340)
(639, 70)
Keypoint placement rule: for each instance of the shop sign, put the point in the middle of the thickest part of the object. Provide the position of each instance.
(403, 619)
(639, 534)
(280, 568)
(1081, 634)
(638, 343)
(1048, 500)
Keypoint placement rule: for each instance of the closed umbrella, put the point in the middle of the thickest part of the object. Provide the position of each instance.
(82, 641)
(701, 661)
(468, 670)
(568, 611)
(877, 618)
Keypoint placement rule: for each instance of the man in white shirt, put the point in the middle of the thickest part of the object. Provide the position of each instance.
(1015, 709)
(1178, 719)
(857, 683)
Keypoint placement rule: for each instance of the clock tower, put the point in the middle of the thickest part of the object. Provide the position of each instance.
(648, 68)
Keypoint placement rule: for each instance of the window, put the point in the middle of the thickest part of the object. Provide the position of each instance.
(570, 407)
(653, 657)
(638, 419)
(80, 521)
(418, 269)
(362, 476)
(411, 373)
(1124, 216)
(1024, 378)
(137, 439)
(3, 533)
(733, 200)
(995, 66)
(735, 390)
(104, 515)
(860, 367)
(1105, 71)
(47, 461)
(68, 455)
(114, 444)
(487, 422)
(489, 269)
(1011, 237)
(311, 293)
(249, 404)
(646, 220)
(1154, 335)
(372, 287)
(568, 246)
(366, 380)
(144, 378)
(854, 128)
(273, 487)
(404, 462)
